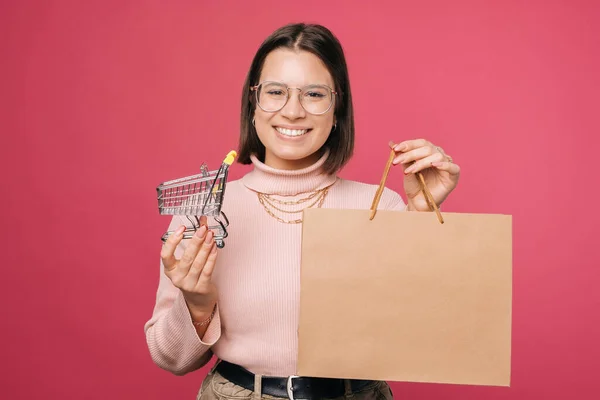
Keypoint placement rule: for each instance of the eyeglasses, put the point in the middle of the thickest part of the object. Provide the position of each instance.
(273, 96)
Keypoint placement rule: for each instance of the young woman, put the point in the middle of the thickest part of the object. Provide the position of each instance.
(240, 303)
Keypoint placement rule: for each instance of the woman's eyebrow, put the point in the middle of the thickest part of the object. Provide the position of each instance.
(288, 85)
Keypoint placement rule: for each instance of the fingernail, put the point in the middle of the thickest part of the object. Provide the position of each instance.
(400, 160)
(201, 231)
(400, 147)
(209, 237)
(179, 231)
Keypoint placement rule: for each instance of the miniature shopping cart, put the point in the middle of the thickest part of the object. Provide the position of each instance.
(195, 196)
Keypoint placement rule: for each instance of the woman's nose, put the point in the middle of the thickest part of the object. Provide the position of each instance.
(293, 109)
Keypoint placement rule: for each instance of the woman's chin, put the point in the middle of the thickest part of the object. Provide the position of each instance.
(295, 159)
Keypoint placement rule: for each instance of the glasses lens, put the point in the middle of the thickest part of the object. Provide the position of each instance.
(316, 99)
(272, 96)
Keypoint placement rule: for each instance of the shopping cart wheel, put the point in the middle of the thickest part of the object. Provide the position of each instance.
(220, 243)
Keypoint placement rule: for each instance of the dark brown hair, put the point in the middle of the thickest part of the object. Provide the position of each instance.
(319, 41)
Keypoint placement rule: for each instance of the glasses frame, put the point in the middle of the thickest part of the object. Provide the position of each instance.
(300, 90)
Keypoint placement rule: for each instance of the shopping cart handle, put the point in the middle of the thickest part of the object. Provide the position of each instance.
(230, 157)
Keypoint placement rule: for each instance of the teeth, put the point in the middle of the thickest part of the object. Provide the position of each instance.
(291, 132)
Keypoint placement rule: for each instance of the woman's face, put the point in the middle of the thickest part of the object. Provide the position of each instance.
(292, 136)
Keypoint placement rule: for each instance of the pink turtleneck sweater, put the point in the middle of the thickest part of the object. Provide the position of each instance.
(257, 276)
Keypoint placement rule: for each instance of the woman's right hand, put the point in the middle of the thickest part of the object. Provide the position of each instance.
(192, 273)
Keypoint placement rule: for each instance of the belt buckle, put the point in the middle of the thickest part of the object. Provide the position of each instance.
(290, 391)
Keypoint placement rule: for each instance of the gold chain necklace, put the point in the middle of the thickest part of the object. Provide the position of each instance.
(293, 202)
(267, 202)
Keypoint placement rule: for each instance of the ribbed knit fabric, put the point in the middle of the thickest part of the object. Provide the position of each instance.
(257, 276)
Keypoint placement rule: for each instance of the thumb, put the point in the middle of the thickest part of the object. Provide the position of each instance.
(203, 221)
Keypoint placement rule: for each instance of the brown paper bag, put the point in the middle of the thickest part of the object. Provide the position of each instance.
(405, 298)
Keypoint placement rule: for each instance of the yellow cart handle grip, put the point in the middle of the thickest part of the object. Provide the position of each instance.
(230, 157)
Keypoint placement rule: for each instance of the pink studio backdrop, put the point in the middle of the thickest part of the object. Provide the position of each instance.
(102, 100)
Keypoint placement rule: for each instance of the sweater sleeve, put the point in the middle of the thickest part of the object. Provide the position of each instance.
(171, 337)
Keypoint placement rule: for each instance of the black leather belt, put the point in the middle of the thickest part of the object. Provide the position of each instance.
(291, 387)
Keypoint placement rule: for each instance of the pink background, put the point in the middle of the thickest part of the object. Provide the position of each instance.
(102, 100)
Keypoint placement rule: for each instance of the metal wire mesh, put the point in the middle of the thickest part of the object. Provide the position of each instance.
(200, 194)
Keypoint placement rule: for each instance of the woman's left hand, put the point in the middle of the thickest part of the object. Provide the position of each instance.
(440, 172)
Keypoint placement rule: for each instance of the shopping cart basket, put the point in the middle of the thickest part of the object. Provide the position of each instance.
(195, 196)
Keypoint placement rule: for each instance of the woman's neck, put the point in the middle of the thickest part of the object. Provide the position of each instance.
(268, 179)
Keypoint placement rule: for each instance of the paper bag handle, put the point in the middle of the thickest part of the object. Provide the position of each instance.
(428, 197)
